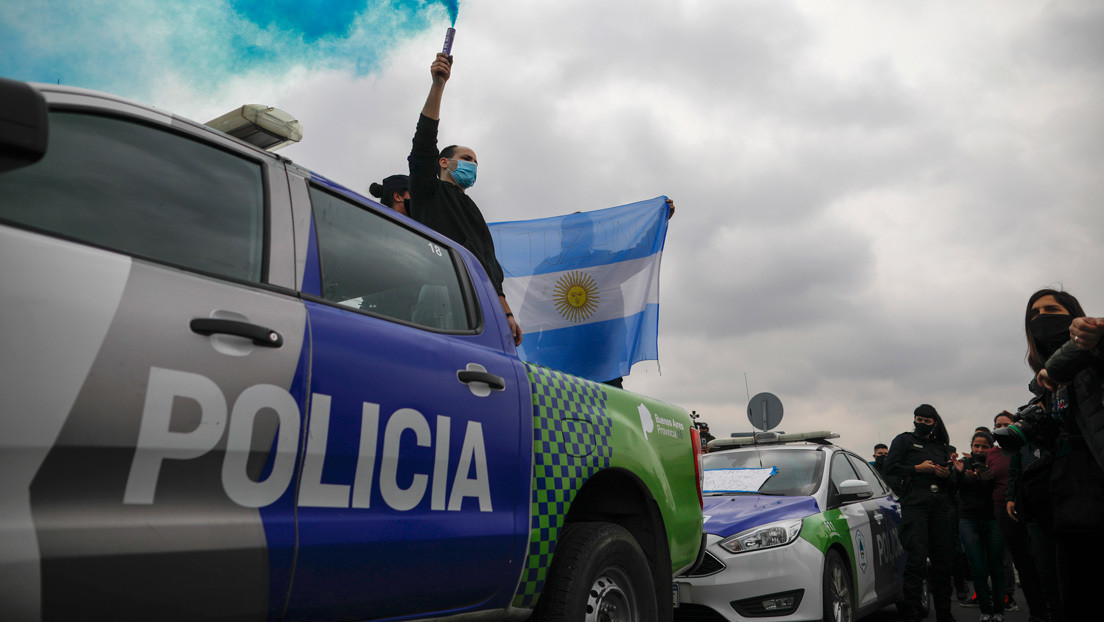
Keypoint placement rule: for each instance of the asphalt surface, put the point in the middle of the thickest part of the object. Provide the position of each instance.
(962, 614)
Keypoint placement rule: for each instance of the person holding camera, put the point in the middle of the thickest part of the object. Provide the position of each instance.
(1064, 351)
(1080, 363)
(981, 537)
(921, 458)
(1027, 545)
(959, 564)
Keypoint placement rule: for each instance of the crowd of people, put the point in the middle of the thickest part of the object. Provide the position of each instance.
(1028, 495)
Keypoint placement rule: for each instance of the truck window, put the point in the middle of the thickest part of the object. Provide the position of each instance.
(143, 191)
(376, 265)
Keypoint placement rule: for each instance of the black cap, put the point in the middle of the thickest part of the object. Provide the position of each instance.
(391, 184)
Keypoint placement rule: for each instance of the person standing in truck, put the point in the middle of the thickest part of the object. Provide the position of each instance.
(439, 181)
(394, 192)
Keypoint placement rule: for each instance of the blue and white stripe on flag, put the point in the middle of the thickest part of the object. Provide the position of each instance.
(585, 287)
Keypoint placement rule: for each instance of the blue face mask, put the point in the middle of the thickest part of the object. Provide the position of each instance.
(464, 174)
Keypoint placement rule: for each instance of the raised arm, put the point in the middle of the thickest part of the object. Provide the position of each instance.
(423, 159)
(440, 71)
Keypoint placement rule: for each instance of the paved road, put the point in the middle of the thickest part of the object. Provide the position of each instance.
(962, 614)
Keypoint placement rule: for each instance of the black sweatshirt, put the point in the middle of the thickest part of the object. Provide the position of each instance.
(443, 206)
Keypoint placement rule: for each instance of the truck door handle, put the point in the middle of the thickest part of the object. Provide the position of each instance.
(468, 376)
(260, 335)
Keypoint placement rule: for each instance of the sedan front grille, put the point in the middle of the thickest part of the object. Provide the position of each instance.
(709, 565)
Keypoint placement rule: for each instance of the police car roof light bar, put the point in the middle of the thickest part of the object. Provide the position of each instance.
(259, 125)
(771, 438)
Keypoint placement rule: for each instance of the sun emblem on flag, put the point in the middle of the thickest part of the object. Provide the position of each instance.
(576, 296)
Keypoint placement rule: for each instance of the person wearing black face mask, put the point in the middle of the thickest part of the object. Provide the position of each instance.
(881, 450)
(1068, 375)
(1080, 363)
(394, 192)
(922, 460)
(978, 529)
(1027, 545)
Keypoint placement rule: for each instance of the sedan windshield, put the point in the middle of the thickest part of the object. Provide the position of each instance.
(797, 473)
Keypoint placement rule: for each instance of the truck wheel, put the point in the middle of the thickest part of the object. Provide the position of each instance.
(598, 574)
(838, 601)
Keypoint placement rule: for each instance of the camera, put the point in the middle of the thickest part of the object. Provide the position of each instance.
(972, 463)
(1030, 424)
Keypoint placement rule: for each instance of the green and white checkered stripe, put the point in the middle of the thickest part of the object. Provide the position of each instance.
(571, 442)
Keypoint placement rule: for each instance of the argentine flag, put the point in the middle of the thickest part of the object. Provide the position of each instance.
(585, 287)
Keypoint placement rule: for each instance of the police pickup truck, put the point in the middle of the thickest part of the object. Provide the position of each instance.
(233, 389)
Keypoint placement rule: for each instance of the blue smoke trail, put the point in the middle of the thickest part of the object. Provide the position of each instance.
(453, 7)
(201, 45)
(311, 22)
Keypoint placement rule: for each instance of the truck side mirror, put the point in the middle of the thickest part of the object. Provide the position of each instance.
(23, 125)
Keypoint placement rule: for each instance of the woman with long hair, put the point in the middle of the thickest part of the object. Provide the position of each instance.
(1068, 375)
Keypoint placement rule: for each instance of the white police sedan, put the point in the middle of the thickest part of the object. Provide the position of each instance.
(798, 529)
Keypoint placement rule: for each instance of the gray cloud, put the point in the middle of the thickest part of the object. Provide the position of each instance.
(866, 196)
(859, 236)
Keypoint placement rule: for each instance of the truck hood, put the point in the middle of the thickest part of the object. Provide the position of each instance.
(728, 515)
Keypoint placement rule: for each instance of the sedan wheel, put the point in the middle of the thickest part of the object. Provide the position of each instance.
(838, 600)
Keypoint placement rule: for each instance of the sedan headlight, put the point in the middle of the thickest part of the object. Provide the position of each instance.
(763, 537)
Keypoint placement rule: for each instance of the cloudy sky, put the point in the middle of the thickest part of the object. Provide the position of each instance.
(867, 191)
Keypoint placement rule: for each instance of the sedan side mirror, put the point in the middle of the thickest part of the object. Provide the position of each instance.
(23, 125)
(854, 490)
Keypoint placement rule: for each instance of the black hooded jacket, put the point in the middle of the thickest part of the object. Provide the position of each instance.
(443, 206)
(1084, 371)
(909, 449)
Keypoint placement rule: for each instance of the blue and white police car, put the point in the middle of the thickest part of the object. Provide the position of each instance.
(797, 529)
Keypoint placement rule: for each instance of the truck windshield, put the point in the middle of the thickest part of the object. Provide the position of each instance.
(798, 472)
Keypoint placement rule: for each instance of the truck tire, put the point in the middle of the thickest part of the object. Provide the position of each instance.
(598, 574)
